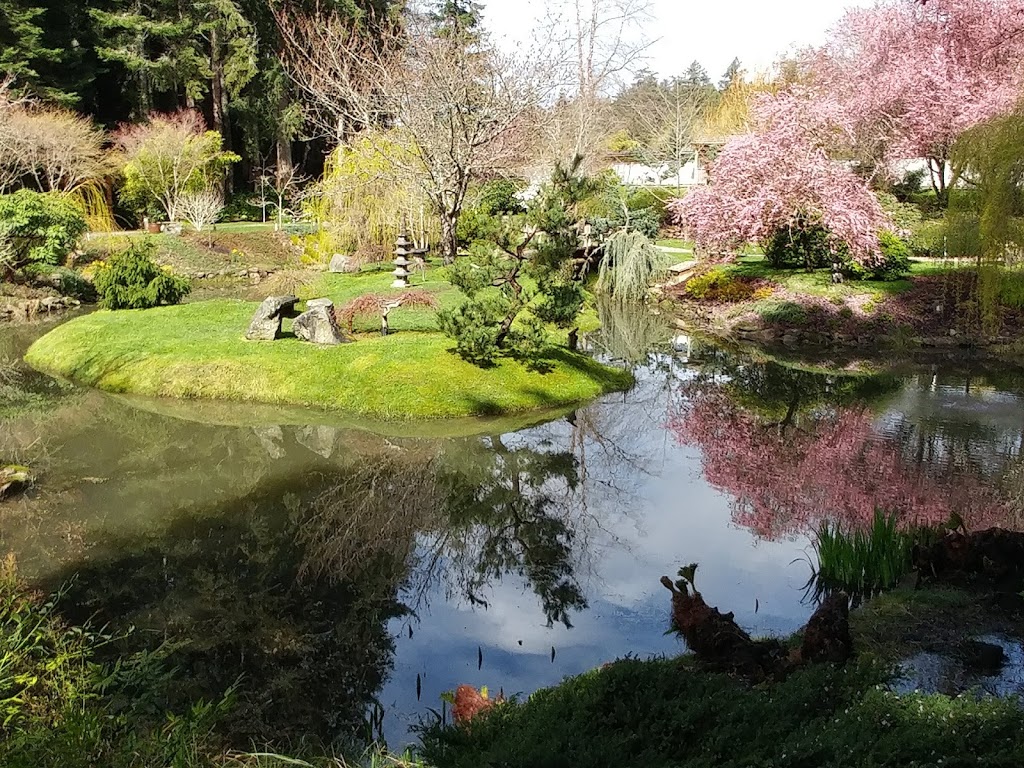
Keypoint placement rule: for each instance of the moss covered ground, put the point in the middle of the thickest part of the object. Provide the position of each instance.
(198, 351)
(669, 712)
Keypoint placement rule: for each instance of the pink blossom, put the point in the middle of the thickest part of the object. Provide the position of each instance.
(764, 181)
(828, 465)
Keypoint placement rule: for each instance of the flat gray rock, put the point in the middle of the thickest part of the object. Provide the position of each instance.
(266, 322)
(318, 326)
(342, 264)
(314, 303)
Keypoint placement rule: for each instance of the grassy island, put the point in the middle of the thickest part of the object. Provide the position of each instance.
(199, 351)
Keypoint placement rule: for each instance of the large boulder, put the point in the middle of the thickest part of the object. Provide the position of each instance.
(325, 303)
(318, 326)
(266, 322)
(341, 263)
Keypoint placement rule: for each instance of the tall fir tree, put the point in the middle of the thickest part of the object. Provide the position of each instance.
(734, 70)
(23, 49)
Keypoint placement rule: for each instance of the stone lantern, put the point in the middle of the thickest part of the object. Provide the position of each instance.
(402, 264)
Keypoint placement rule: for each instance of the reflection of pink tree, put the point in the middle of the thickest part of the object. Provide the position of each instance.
(829, 465)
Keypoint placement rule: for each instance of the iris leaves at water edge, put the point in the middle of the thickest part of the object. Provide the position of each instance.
(863, 562)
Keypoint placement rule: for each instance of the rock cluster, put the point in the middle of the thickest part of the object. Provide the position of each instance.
(316, 325)
(266, 323)
(26, 309)
(343, 264)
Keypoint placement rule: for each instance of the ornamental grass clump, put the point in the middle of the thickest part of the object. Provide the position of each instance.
(132, 280)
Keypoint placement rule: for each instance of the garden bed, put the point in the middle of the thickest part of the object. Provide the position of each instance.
(199, 351)
(932, 308)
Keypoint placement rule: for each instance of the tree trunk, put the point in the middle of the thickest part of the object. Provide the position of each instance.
(284, 143)
(449, 237)
(506, 324)
(219, 97)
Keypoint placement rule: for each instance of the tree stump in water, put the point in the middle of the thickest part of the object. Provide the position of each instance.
(716, 639)
(827, 633)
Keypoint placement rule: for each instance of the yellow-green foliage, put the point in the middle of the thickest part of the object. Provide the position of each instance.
(367, 197)
(719, 285)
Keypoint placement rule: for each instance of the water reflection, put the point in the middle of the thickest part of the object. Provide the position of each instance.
(796, 448)
(334, 570)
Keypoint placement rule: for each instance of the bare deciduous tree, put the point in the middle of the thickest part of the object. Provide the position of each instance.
(201, 208)
(452, 98)
(670, 118)
(597, 42)
(59, 150)
(53, 149)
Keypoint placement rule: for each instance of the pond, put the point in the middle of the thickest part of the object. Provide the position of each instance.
(345, 576)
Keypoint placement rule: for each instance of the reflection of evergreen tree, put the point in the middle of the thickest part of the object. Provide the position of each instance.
(223, 589)
(510, 498)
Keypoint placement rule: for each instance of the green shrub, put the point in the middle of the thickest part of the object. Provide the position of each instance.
(928, 239)
(481, 220)
(37, 228)
(132, 280)
(784, 313)
(718, 285)
(500, 196)
(905, 216)
(802, 244)
(474, 326)
(894, 264)
(664, 712)
(242, 206)
(1011, 288)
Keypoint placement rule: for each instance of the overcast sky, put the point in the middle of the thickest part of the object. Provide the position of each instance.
(711, 32)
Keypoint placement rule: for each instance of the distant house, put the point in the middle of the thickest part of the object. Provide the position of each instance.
(692, 173)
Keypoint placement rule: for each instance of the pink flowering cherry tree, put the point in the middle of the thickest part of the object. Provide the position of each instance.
(913, 75)
(780, 175)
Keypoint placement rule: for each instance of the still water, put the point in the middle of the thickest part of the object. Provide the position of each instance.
(345, 575)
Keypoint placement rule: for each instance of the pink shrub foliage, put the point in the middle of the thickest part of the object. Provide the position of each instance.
(764, 181)
(830, 466)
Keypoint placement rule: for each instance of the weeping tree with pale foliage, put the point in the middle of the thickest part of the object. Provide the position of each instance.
(367, 198)
(630, 264)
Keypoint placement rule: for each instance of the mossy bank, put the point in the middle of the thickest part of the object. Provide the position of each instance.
(199, 351)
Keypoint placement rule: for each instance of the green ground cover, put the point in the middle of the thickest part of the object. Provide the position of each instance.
(199, 351)
(669, 712)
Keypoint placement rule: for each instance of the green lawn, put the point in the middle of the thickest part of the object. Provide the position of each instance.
(199, 351)
(819, 281)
